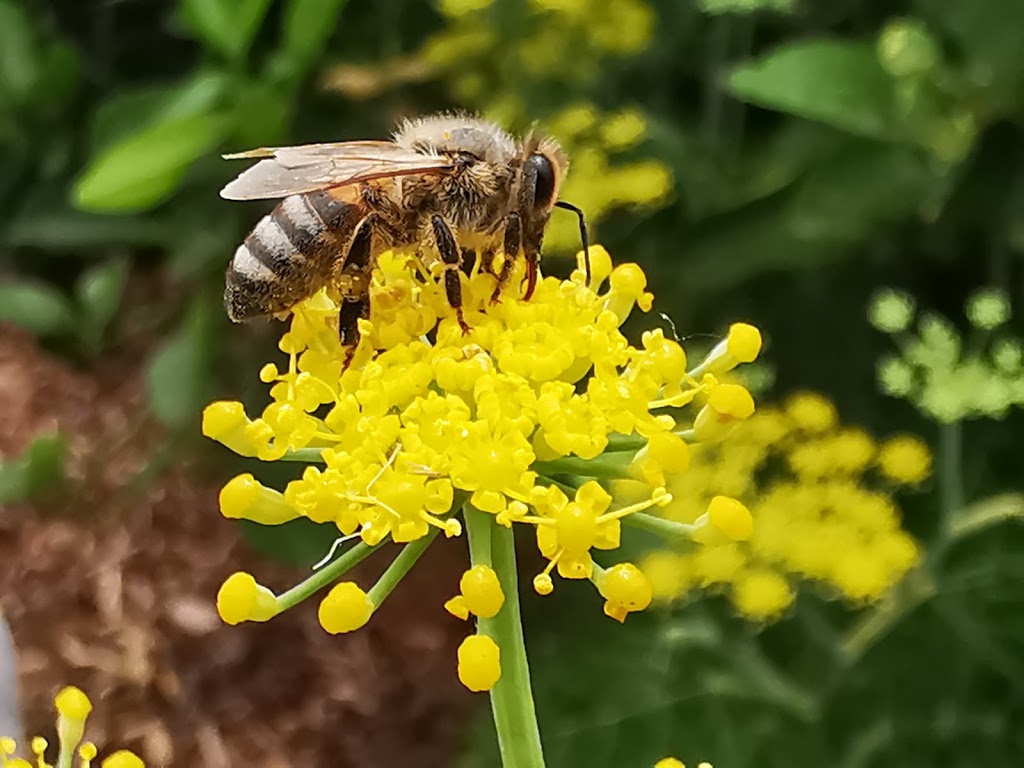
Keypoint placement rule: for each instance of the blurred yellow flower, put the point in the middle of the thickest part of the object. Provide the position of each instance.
(814, 512)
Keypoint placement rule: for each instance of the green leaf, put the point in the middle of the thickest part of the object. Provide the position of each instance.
(19, 48)
(37, 307)
(130, 111)
(863, 186)
(176, 378)
(36, 471)
(227, 26)
(838, 83)
(99, 292)
(308, 25)
(145, 169)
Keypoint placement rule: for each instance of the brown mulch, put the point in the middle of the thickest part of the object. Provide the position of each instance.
(111, 588)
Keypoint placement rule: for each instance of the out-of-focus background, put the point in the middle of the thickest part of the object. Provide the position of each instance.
(848, 175)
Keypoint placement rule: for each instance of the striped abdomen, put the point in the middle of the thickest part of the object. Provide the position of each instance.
(289, 254)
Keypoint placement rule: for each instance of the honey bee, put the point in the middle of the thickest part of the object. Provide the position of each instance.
(446, 186)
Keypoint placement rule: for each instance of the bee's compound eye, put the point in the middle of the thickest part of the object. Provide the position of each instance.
(544, 180)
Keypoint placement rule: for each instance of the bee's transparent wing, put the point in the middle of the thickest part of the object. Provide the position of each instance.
(284, 171)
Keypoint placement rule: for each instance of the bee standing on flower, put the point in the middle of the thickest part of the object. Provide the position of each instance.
(447, 185)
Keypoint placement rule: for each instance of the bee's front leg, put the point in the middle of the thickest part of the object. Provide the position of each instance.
(513, 242)
(448, 250)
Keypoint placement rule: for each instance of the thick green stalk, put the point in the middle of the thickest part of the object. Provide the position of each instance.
(515, 718)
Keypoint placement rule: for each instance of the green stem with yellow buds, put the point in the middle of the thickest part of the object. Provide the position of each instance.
(400, 566)
(326, 575)
(669, 530)
(515, 718)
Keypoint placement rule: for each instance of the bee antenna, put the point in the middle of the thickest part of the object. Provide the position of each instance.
(584, 238)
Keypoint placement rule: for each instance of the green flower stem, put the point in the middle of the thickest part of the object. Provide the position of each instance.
(669, 530)
(951, 463)
(607, 466)
(306, 455)
(917, 587)
(620, 443)
(400, 566)
(515, 718)
(324, 576)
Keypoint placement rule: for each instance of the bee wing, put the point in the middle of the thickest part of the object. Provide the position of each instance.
(284, 171)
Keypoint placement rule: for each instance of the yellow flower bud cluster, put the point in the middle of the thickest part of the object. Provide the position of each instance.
(527, 417)
(73, 709)
(819, 509)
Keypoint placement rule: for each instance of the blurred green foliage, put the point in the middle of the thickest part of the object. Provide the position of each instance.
(770, 160)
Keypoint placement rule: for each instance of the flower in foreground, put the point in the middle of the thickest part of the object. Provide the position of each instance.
(526, 419)
(819, 496)
(73, 708)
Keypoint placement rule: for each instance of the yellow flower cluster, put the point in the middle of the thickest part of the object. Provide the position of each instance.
(520, 418)
(73, 708)
(816, 515)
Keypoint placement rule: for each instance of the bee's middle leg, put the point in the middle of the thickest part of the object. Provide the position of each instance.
(513, 242)
(451, 257)
(355, 302)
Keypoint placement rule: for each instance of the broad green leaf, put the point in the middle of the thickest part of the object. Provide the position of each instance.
(19, 49)
(834, 82)
(37, 470)
(130, 111)
(99, 292)
(37, 307)
(308, 25)
(864, 185)
(228, 26)
(145, 169)
(176, 378)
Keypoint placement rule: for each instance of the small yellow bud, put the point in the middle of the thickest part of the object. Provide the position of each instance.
(269, 373)
(346, 608)
(669, 762)
(123, 759)
(226, 422)
(730, 517)
(73, 704)
(244, 498)
(542, 584)
(626, 590)
(7, 746)
(87, 752)
(240, 599)
(744, 342)
(479, 663)
(482, 591)
(73, 707)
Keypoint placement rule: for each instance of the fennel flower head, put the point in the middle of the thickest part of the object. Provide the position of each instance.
(73, 708)
(523, 420)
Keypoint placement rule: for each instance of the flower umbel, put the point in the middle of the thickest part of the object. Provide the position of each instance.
(73, 708)
(527, 418)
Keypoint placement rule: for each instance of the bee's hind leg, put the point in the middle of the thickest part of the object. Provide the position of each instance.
(513, 242)
(451, 257)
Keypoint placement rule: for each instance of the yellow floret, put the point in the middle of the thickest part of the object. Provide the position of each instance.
(345, 609)
(479, 663)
